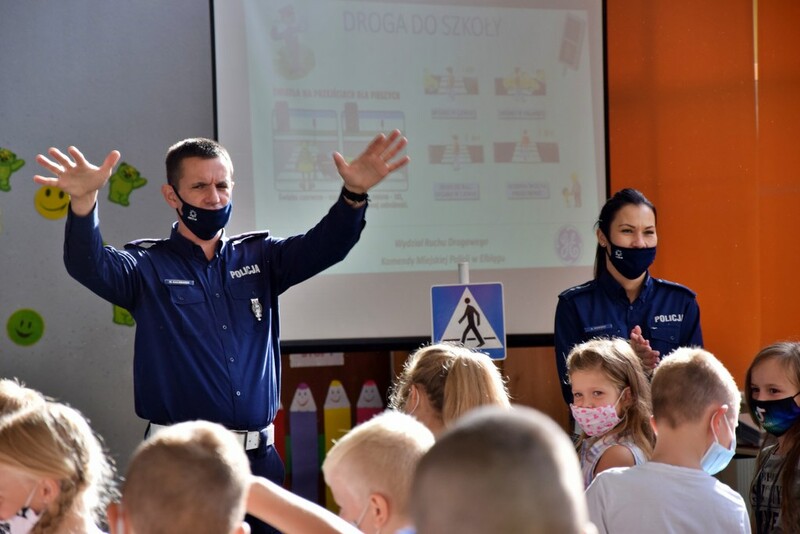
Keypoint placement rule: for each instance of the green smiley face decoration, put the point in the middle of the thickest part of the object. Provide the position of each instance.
(25, 327)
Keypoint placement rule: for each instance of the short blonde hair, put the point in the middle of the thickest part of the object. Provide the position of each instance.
(689, 381)
(190, 477)
(456, 379)
(380, 455)
(499, 470)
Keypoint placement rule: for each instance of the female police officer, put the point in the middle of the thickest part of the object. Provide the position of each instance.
(623, 300)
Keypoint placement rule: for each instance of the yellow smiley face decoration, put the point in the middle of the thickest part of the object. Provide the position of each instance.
(51, 202)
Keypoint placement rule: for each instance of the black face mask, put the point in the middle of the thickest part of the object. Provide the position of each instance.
(631, 262)
(777, 416)
(202, 222)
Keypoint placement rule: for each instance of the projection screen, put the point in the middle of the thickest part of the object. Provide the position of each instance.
(503, 105)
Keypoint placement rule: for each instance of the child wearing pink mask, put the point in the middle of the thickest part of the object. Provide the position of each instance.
(611, 406)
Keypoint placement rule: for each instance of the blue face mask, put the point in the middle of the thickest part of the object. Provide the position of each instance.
(202, 222)
(777, 416)
(631, 262)
(718, 457)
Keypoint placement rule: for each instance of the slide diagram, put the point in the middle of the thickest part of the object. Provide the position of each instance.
(360, 126)
(455, 154)
(526, 151)
(304, 139)
(447, 83)
(569, 54)
(521, 84)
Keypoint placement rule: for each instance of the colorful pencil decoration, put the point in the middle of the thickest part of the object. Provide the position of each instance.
(305, 445)
(337, 423)
(369, 402)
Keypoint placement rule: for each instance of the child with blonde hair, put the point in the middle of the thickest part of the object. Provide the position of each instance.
(611, 405)
(695, 413)
(772, 390)
(369, 470)
(54, 474)
(443, 381)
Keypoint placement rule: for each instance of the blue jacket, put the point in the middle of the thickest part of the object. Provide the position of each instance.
(207, 332)
(667, 313)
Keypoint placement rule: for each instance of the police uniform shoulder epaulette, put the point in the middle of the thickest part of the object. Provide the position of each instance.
(259, 234)
(146, 243)
(674, 285)
(577, 290)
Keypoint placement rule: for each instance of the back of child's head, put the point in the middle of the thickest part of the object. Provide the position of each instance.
(379, 456)
(50, 440)
(455, 379)
(615, 358)
(687, 383)
(495, 470)
(190, 477)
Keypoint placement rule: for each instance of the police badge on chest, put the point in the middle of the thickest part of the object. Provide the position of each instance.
(257, 309)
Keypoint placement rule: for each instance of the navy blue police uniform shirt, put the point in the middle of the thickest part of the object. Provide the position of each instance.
(667, 313)
(207, 332)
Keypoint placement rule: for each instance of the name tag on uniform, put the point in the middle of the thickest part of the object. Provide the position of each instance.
(590, 329)
(176, 282)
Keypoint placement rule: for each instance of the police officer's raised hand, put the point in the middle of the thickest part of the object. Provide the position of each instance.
(77, 177)
(372, 165)
(641, 346)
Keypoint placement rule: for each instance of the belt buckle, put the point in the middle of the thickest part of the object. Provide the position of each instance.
(251, 440)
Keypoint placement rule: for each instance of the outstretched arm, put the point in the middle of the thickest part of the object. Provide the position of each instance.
(290, 513)
(77, 177)
(374, 164)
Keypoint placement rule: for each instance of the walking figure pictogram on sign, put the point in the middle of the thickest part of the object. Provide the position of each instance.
(470, 314)
(473, 318)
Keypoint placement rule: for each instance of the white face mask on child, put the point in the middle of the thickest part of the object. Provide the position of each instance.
(416, 404)
(24, 521)
(598, 420)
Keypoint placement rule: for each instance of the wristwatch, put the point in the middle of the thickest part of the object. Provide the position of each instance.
(355, 198)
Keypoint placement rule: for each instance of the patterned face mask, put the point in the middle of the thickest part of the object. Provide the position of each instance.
(598, 420)
(777, 416)
(24, 521)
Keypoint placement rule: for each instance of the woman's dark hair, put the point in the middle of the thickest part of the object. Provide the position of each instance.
(620, 199)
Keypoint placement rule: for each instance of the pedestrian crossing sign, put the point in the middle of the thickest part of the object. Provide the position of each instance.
(472, 315)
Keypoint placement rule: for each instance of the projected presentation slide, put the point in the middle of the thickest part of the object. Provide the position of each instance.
(502, 104)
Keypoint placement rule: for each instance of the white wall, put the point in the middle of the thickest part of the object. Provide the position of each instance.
(98, 74)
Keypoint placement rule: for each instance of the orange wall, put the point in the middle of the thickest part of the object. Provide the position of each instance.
(779, 168)
(683, 129)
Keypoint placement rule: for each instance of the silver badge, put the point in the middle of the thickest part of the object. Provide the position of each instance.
(256, 308)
